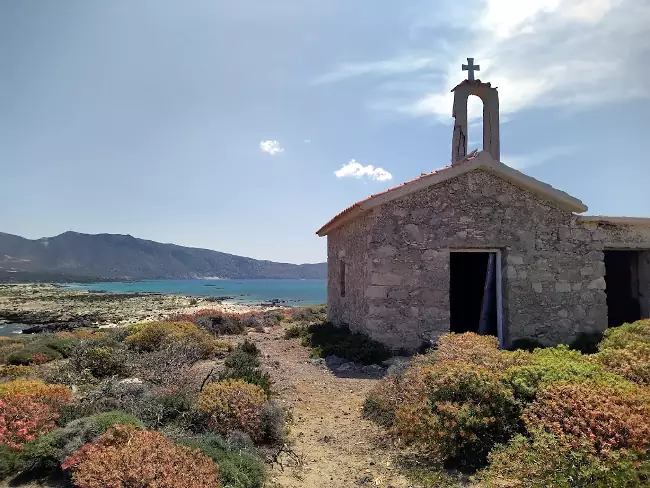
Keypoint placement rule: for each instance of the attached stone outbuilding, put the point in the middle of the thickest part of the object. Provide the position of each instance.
(479, 246)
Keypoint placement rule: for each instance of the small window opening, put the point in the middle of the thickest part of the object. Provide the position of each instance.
(342, 275)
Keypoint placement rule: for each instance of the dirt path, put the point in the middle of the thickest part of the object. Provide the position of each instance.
(337, 446)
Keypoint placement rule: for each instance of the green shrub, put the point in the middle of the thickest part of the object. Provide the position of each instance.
(620, 337)
(155, 336)
(101, 361)
(249, 348)
(296, 331)
(49, 451)
(455, 412)
(11, 462)
(243, 366)
(327, 339)
(220, 324)
(238, 468)
(8, 347)
(543, 461)
(233, 405)
(273, 423)
(25, 356)
(551, 365)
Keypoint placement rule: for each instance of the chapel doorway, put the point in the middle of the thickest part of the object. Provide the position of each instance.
(475, 292)
(622, 286)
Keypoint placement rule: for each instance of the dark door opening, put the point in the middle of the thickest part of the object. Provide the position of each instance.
(622, 286)
(473, 292)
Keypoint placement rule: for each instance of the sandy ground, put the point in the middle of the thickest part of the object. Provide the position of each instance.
(336, 446)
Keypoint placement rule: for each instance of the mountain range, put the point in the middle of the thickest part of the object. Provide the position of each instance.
(73, 256)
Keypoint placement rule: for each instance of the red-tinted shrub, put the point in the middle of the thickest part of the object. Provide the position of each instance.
(125, 457)
(23, 419)
(607, 416)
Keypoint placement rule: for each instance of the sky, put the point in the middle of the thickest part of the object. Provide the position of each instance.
(245, 126)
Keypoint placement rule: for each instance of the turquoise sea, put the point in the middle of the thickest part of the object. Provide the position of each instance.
(295, 292)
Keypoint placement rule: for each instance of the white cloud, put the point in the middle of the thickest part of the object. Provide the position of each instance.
(271, 147)
(307, 141)
(571, 54)
(354, 169)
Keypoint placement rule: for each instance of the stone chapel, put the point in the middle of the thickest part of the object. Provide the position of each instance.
(479, 246)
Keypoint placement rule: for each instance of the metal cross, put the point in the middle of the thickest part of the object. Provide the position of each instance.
(471, 67)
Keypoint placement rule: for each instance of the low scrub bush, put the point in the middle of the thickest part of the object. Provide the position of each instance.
(54, 396)
(273, 420)
(238, 468)
(12, 372)
(41, 350)
(82, 335)
(296, 331)
(547, 366)
(240, 365)
(126, 457)
(327, 339)
(314, 314)
(155, 336)
(455, 412)
(33, 354)
(233, 405)
(22, 419)
(49, 451)
(11, 461)
(544, 460)
(475, 349)
(382, 401)
(608, 417)
(100, 361)
(9, 347)
(622, 336)
(249, 348)
(631, 362)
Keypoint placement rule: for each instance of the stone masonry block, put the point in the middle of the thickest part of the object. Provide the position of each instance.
(387, 279)
(376, 292)
(562, 287)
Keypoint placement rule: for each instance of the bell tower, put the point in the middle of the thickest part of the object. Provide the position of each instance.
(490, 98)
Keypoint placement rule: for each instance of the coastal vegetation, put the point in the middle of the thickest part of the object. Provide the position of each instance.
(550, 417)
(162, 404)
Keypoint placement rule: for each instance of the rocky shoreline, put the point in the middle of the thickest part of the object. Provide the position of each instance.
(53, 308)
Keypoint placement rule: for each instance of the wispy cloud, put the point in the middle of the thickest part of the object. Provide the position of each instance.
(354, 169)
(271, 147)
(540, 53)
(407, 64)
(535, 158)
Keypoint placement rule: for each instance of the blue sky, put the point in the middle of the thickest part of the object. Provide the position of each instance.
(147, 118)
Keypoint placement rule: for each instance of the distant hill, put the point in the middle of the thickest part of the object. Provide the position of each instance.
(72, 256)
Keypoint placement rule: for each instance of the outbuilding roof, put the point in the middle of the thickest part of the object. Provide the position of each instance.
(473, 161)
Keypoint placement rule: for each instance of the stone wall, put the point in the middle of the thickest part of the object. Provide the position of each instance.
(553, 269)
(607, 235)
(348, 244)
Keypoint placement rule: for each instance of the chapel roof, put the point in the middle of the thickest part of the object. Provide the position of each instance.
(474, 160)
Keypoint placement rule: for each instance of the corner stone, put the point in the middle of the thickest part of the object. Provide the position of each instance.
(598, 284)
